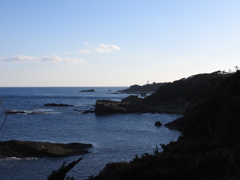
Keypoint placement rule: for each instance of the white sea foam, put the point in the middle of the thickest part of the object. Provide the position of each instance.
(17, 159)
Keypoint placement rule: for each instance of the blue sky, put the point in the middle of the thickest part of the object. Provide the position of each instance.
(115, 43)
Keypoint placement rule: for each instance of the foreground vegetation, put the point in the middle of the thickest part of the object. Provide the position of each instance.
(208, 148)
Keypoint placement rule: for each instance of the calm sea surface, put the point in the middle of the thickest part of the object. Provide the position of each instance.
(114, 137)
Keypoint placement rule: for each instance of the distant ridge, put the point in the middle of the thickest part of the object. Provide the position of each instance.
(137, 89)
(192, 89)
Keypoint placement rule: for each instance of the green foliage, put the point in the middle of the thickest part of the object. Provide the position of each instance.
(204, 159)
(60, 174)
(200, 159)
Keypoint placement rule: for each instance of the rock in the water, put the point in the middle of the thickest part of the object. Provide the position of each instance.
(89, 90)
(21, 149)
(54, 104)
(158, 123)
(111, 107)
(134, 104)
(14, 112)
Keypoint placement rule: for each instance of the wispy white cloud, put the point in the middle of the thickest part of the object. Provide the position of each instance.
(20, 58)
(101, 49)
(57, 59)
(85, 51)
(106, 48)
(53, 58)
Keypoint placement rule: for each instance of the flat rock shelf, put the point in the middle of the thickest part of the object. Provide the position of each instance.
(21, 149)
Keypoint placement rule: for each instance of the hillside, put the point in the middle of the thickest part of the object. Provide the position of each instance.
(193, 88)
(147, 88)
(208, 149)
(186, 92)
(219, 115)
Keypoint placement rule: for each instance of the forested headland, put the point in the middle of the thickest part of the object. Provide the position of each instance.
(210, 143)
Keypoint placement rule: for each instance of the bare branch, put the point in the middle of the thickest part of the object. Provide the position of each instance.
(3, 106)
(5, 113)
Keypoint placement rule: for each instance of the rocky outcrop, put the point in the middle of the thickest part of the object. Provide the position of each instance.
(89, 90)
(111, 107)
(22, 149)
(54, 104)
(130, 104)
(14, 112)
(158, 123)
(134, 104)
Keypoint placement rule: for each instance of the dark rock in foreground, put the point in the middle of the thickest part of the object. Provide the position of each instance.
(22, 149)
(54, 104)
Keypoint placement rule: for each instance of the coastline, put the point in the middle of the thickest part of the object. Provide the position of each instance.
(134, 104)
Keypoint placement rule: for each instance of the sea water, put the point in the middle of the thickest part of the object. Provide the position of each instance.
(115, 138)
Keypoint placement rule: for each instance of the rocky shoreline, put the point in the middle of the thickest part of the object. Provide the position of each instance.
(22, 149)
(134, 104)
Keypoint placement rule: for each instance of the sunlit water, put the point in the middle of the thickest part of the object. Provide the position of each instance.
(115, 138)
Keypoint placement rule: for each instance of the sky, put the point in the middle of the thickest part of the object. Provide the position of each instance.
(83, 43)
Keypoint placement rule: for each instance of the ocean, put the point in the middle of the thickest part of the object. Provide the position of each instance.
(115, 138)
